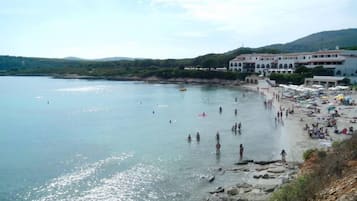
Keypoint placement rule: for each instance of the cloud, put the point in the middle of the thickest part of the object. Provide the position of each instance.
(258, 17)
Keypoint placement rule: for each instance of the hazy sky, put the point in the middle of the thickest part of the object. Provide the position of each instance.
(161, 28)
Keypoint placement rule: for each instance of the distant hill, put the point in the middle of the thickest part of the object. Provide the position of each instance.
(313, 42)
(102, 59)
(115, 59)
(320, 41)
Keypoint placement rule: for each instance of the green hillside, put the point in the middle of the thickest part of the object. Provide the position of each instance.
(319, 41)
(322, 40)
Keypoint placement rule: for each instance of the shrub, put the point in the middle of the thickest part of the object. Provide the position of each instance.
(298, 190)
(308, 153)
(321, 154)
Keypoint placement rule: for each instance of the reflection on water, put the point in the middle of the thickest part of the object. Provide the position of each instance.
(102, 121)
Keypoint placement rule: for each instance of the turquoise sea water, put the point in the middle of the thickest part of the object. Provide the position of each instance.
(99, 140)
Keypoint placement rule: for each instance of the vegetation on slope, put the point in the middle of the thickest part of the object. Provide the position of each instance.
(320, 41)
(322, 169)
(300, 74)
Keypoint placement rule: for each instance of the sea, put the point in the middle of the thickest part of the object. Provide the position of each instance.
(71, 139)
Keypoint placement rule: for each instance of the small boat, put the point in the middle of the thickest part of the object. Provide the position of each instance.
(183, 89)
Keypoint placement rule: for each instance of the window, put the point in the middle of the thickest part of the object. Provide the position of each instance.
(235, 64)
(240, 64)
(268, 66)
(290, 66)
(258, 66)
(263, 66)
(232, 64)
(280, 65)
(285, 65)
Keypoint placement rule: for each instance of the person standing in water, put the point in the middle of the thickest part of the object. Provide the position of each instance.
(235, 111)
(239, 126)
(189, 138)
(218, 148)
(283, 154)
(220, 109)
(241, 150)
(198, 138)
(217, 136)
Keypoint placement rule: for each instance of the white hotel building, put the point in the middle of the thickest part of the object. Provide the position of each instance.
(343, 62)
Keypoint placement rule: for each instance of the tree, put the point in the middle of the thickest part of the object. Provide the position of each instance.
(209, 63)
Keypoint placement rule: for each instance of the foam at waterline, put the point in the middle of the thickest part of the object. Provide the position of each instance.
(95, 88)
(67, 183)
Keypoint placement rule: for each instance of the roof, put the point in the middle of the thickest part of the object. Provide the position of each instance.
(326, 78)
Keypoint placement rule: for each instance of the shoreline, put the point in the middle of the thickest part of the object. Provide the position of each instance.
(263, 179)
(153, 79)
(295, 142)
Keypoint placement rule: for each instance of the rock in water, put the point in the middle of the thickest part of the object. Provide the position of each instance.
(232, 191)
(277, 170)
(218, 190)
(265, 162)
(257, 176)
(270, 189)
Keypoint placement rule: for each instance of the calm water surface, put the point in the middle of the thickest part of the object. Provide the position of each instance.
(99, 140)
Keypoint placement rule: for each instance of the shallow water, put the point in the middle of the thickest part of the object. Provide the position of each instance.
(100, 140)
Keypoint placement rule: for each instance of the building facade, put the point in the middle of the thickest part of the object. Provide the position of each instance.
(343, 62)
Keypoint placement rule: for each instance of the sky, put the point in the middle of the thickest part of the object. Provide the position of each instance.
(161, 28)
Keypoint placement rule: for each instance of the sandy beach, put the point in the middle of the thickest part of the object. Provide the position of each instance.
(294, 138)
(293, 134)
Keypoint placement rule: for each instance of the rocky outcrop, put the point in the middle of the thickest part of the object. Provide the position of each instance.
(273, 173)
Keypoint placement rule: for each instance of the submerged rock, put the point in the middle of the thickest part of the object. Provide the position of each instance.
(244, 162)
(218, 190)
(211, 179)
(265, 162)
(244, 185)
(277, 170)
(232, 191)
(269, 189)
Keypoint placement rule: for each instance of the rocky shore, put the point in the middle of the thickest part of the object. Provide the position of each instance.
(263, 178)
